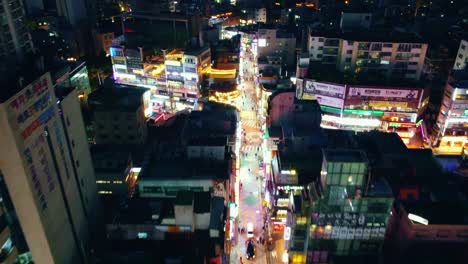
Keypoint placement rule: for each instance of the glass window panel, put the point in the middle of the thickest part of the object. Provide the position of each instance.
(337, 167)
(335, 179)
(346, 167)
(354, 168)
(361, 168)
(344, 180)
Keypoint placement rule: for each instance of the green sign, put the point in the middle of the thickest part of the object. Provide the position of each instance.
(363, 112)
(330, 109)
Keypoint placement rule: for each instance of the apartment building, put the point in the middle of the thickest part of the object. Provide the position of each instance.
(47, 169)
(462, 56)
(394, 55)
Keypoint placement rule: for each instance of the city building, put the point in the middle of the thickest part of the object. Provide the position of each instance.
(49, 174)
(119, 115)
(16, 42)
(392, 55)
(174, 78)
(116, 169)
(462, 56)
(428, 220)
(73, 75)
(103, 40)
(261, 15)
(14, 247)
(362, 104)
(450, 135)
(271, 42)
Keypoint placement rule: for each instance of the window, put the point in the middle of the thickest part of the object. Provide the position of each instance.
(68, 121)
(319, 56)
(460, 56)
(348, 60)
(349, 52)
(152, 189)
(77, 163)
(416, 46)
(73, 143)
(463, 47)
(320, 48)
(82, 182)
(321, 40)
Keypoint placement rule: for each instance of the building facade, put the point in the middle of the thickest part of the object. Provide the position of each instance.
(16, 40)
(389, 58)
(462, 56)
(50, 181)
(360, 107)
(451, 131)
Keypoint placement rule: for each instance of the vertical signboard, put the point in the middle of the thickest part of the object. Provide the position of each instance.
(28, 112)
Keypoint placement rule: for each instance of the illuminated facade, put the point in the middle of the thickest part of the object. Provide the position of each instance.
(359, 107)
(350, 53)
(49, 174)
(174, 78)
(452, 122)
(348, 218)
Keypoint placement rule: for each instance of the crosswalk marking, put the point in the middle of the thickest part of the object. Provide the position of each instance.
(249, 123)
(249, 149)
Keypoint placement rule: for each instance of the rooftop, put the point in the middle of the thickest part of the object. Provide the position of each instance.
(184, 198)
(118, 97)
(180, 169)
(439, 213)
(328, 73)
(388, 35)
(196, 50)
(202, 202)
(207, 141)
(307, 163)
(344, 155)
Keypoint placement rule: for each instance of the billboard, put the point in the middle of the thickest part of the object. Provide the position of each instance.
(327, 89)
(330, 101)
(387, 104)
(379, 92)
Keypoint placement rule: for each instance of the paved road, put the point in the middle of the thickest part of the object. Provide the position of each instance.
(250, 199)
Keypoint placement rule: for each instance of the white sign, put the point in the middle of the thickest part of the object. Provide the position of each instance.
(287, 233)
(262, 43)
(325, 88)
(330, 101)
(335, 232)
(374, 92)
(358, 233)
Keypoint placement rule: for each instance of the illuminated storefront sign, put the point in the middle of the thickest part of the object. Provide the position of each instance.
(325, 89)
(376, 92)
(387, 104)
(363, 112)
(408, 125)
(329, 101)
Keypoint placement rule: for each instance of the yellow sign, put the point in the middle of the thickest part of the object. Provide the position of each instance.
(306, 96)
(388, 104)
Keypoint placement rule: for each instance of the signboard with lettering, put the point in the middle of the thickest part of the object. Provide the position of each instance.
(28, 112)
(329, 101)
(327, 89)
(386, 104)
(379, 92)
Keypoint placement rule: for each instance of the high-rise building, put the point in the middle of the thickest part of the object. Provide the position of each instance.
(15, 40)
(461, 61)
(47, 169)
